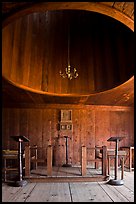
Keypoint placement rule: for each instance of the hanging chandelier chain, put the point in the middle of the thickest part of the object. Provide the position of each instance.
(68, 47)
(69, 73)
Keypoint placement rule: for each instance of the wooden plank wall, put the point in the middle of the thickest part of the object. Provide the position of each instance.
(91, 126)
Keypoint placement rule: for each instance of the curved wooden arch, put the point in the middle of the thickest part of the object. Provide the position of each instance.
(128, 82)
(88, 6)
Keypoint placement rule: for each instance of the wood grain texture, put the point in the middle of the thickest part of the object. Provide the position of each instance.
(91, 127)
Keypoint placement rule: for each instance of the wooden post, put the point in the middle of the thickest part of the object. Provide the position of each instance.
(104, 160)
(49, 160)
(36, 156)
(96, 163)
(108, 165)
(83, 160)
(130, 159)
(27, 160)
(122, 168)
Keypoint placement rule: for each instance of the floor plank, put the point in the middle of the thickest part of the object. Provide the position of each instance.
(88, 192)
(9, 192)
(40, 193)
(50, 192)
(113, 193)
(24, 193)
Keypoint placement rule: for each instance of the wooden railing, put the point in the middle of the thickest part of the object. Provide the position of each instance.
(103, 159)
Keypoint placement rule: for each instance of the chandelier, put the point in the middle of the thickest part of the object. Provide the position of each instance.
(69, 73)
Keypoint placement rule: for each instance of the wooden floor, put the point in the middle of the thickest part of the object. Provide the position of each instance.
(66, 174)
(71, 191)
(66, 171)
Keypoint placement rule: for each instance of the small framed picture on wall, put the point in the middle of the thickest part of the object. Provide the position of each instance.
(66, 115)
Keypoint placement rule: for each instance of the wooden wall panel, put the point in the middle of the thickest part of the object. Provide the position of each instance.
(14, 126)
(131, 129)
(102, 127)
(46, 134)
(117, 126)
(91, 127)
(23, 122)
(76, 137)
(90, 134)
(5, 129)
(35, 127)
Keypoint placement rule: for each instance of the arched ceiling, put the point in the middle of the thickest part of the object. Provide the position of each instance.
(122, 95)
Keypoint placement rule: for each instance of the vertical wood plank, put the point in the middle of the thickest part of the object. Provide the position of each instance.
(83, 160)
(104, 161)
(13, 127)
(27, 160)
(76, 138)
(23, 122)
(7, 35)
(27, 51)
(5, 129)
(49, 160)
(15, 51)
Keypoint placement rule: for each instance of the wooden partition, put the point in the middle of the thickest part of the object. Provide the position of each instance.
(102, 159)
(34, 159)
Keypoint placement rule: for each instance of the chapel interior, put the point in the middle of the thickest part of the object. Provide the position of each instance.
(67, 87)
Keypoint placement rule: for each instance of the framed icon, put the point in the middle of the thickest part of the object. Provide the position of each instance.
(66, 115)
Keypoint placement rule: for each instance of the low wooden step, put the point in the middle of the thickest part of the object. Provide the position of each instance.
(10, 169)
(66, 179)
